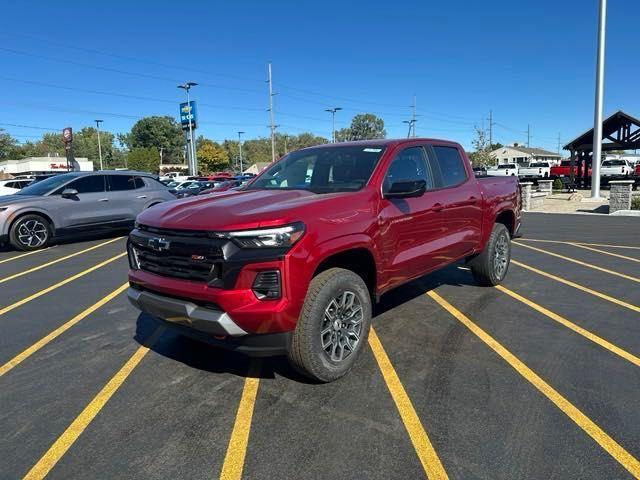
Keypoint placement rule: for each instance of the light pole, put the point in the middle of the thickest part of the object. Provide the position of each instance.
(333, 111)
(98, 122)
(411, 124)
(192, 152)
(597, 117)
(240, 150)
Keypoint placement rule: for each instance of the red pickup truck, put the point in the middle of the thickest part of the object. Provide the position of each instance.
(564, 170)
(292, 262)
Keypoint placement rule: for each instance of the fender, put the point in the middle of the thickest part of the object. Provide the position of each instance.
(24, 211)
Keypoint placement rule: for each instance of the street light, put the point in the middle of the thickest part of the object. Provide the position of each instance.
(240, 149)
(333, 111)
(98, 122)
(192, 153)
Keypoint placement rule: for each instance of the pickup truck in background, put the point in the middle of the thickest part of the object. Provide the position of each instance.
(292, 262)
(535, 171)
(616, 169)
(506, 170)
(564, 170)
(636, 174)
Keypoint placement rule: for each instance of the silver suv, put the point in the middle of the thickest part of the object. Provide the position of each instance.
(76, 203)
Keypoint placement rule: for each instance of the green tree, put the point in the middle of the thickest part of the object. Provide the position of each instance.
(8, 145)
(481, 156)
(157, 132)
(85, 144)
(367, 126)
(212, 157)
(343, 135)
(144, 159)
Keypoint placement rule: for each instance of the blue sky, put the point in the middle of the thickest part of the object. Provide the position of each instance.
(530, 61)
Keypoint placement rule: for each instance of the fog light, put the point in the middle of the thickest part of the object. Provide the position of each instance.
(266, 286)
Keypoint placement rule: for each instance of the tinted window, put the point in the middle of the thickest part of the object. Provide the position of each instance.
(120, 182)
(451, 166)
(322, 170)
(408, 165)
(613, 163)
(138, 182)
(89, 184)
(42, 187)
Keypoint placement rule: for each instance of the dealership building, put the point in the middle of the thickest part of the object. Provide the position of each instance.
(42, 165)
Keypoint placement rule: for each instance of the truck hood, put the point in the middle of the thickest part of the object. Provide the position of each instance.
(235, 210)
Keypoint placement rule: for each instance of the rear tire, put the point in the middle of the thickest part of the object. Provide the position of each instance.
(490, 267)
(30, 232)
(333, 326)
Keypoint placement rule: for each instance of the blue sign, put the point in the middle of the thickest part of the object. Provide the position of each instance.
(188, 115)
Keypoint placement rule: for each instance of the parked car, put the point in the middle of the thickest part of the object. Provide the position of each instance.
(9, 187)
(175, 187)
(173, 176)
(194, 188)
(506, 170)
(636, 174)
(76, 203)
(291, 263)
(535, 171)
(564, 170)
(480, 171)
(222, 187)
(616, 169)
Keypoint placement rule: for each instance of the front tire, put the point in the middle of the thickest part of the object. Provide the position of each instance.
(30, 232)
(490, 267)
(333, 326)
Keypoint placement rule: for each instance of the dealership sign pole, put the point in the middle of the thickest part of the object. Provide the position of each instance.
(67, 138)
(188, 120)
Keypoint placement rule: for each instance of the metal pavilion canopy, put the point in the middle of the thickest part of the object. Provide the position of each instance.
(620, 131)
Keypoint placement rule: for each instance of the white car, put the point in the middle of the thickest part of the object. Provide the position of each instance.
(9, 187)
(506, 170)
(616, 169)
(173, 176)
(535, 170)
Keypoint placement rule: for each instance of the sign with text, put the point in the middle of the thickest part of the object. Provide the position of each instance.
(188, 115)
(67, 137)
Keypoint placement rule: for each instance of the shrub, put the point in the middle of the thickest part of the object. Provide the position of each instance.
(557, 184)
(635, 202)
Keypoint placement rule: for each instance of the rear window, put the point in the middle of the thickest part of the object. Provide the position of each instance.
(451, 166)
(504, 167)
(613, 163)
(120, 182)
(539, 164)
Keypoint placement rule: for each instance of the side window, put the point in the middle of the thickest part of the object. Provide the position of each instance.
(451, 165)
(119, 183)
(408, 165)
(138, 182)
(89, 184)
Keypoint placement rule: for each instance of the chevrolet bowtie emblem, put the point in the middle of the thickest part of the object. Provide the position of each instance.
(158, 244)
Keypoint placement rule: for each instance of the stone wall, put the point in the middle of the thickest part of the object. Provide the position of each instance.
(620, 197)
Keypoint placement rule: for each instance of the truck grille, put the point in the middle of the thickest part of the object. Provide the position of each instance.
(177, 254)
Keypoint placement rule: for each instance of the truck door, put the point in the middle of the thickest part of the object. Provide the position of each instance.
(461, 200)
(410, 228)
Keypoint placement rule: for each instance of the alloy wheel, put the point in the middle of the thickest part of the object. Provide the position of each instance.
(33, 233)
(341, 326)
(501, 256)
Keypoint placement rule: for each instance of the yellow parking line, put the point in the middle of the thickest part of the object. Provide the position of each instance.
(82, 421)
(584, 264)
(582, 288)
(624, 257)
(237, 449)
(59, 284)
(572, 326)
(58, 260)
(24, 255)
(527, 239)
(59, 331)
(419, 438)
(613, 448)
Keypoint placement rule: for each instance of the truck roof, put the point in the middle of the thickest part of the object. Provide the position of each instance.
(382, 142)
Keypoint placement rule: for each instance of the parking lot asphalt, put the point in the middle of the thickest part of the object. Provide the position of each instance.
(538, 378)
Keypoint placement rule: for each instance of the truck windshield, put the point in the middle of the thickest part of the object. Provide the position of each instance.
(321, 170)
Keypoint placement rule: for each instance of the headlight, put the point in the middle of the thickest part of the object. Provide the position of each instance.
(278, 237)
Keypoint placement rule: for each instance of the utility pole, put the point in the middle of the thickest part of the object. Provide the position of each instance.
(161, 149)
(333, 111)
(98, 122)
(413, 117)
(272, 125)
(411, 124)
(240, 150)
(192, 150)
(597, 117)
(286, 149)
(491, 124)
(559, 143)
(528, 136)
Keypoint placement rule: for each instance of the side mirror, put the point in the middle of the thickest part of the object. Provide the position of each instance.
(406, 189)
(69, 192)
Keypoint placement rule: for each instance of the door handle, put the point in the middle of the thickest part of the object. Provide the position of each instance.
(437, 207)
(141, 196)
(103, 200)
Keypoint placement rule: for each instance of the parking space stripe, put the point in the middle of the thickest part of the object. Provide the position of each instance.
(424, 449)
(237, 449)
(624, 257)
(572, 326)
(57, 260)
(582, 288)
(59, 284)
(22, 356)
(24, 255)
(578, 262)
(612, 447)
(82, 421)
(527, 239)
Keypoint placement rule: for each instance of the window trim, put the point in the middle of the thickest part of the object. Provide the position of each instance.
(434, 158)
(427, 161)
